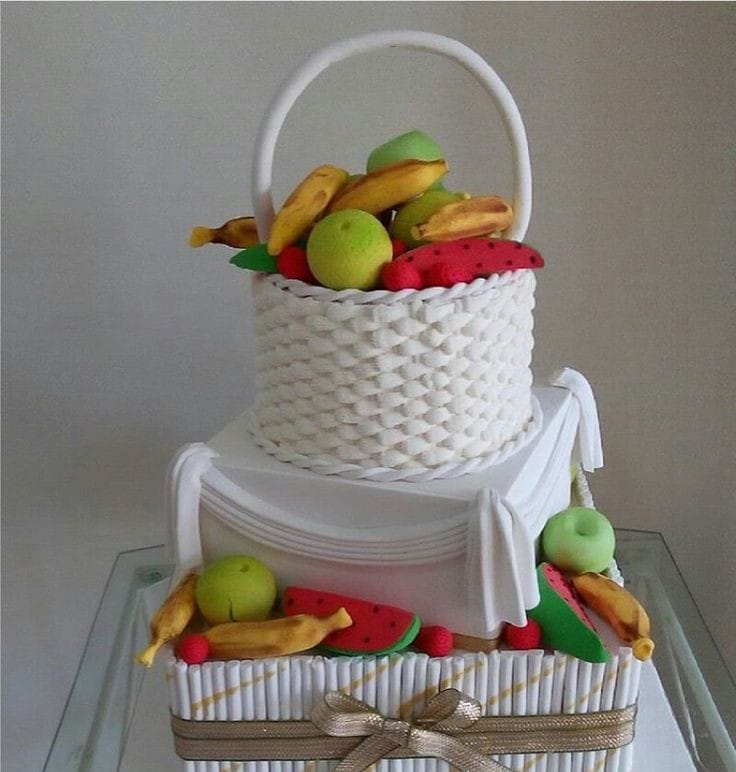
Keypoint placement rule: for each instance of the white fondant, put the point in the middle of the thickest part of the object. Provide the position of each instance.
(501, 580)
(287, 95)
(182, 496)
(402, 543)
(504, 682)
(589, 434)
(436, 385)
(536, 475)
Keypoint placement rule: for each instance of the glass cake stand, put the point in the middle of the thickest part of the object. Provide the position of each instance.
(115, 717)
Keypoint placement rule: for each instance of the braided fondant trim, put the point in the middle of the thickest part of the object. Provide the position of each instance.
(386, 297)
(412, 474)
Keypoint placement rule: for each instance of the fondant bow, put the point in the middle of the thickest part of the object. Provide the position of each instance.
(341, 715)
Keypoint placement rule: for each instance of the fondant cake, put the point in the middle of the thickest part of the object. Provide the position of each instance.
(393, 558)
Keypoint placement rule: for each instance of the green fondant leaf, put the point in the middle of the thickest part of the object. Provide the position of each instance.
(255, 258)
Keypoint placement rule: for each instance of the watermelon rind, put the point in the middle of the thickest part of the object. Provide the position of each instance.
(562, 627)
(406, 640)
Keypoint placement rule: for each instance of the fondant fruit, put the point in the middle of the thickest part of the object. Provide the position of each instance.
(434, 640)
(619, 608)
(292, 264)
(346, 250)
(398, 275)
(398, 247)
(476, 216)
(565, 625)
(304, 205)
(255, 258)
(235, 588)
(412, 144)
(171, 618)
(239, 232)
(579, 539)
(193, 649)
(419, 211)
(523, 638)
(476, 257)
(269, 638)
(377, 628)
(446, 274)
(388, 186)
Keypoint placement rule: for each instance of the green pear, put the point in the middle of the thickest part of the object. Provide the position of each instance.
(412, 144)
(418, 211)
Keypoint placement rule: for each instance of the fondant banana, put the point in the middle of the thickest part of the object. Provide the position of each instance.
(240, 232)
(304, 206)
(171, 619)
(389, 186)
(476, 216)
(619, 608)
(274, 637)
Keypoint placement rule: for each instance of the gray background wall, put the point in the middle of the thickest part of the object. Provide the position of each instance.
(126, 124)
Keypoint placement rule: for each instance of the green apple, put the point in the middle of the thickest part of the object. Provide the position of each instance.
(236, 588)
(418, 211)
(413, 144)
(346, 250)
(579, 539)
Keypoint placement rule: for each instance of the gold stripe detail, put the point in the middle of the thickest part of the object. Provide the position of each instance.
(206, 701)
(533, 761)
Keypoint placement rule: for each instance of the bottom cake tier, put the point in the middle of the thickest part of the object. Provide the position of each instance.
(538, 711)
(480, 711)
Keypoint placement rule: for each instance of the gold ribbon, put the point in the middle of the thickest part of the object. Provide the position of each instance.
(449, 727)
(340, 715)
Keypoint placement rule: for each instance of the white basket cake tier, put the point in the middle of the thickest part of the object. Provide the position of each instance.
(436, 380)
(411, 385)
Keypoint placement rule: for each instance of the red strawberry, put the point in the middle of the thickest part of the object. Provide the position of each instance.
(399, 275)
(398, 246)
(445, 274)
(435, 640)
(527, 637)
(193, 649)
(292, 264)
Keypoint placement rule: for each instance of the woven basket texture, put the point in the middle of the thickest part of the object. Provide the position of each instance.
(393, 380)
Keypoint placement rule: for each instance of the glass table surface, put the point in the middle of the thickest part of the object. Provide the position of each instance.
(116, 717)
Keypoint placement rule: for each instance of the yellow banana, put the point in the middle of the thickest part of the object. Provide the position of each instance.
(389, 186)
(619, 608)
(171, 619)
(240, 232)
(274, 637)
(304, 206)
(476, 216)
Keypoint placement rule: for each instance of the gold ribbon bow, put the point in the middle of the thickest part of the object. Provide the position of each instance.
(341, 715)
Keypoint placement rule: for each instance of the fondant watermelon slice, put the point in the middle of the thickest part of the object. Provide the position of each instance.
(480, 256)
(565, 625)
(376, 629)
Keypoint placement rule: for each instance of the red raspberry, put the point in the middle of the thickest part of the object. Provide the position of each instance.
(292, 263)
(524, 638)
(193, 649)
(443, 274)
(399, 275)
(436, 641)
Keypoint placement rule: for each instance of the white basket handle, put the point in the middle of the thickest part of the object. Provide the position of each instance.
(261, 176)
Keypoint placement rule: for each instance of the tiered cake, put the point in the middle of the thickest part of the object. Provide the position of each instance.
(397, 453)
